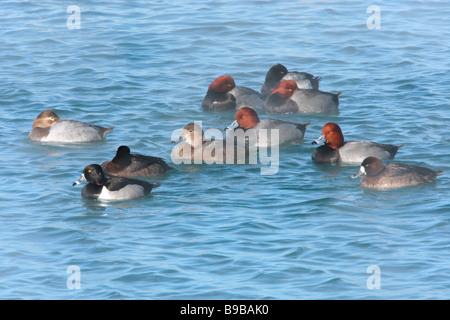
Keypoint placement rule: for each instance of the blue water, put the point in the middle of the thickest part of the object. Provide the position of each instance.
(222, 231)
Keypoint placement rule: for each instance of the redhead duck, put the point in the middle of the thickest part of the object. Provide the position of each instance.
(125, 164)
(279, 72)
(335, 150)
(288, 132)
(103, 187)
(288, 98)
(223, 95)
(48, 127)
(193, 148)
(393, 175)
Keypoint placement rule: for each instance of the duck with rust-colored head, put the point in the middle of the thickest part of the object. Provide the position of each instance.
(223, 94)
(336, 150)
(288, 98)
(288, 132)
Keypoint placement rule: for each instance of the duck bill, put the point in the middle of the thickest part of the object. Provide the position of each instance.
(177, 140)
(360, 173)
(81, 180)
(320, 140)
(233, 125)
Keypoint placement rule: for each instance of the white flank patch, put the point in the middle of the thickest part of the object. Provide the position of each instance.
(131, 191)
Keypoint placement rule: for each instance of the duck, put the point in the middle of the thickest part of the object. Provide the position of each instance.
(279, 72)
(394, 175)
(336, 150)
(193, 148)
(223, 94)
(111, 188)
(128, 165)
(286, 97)
(48, 127)
(288, 132)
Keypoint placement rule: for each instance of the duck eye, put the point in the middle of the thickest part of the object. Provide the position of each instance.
(89, 171)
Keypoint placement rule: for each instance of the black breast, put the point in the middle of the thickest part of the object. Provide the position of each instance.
(276, 104)
(91, 191)
(215, 101)
(325, 154)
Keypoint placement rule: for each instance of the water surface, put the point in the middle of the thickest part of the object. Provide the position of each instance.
(222, 232)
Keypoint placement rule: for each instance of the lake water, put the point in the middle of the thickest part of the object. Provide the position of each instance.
(222, 231)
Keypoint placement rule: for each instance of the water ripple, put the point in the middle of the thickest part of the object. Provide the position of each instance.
(222, 232)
